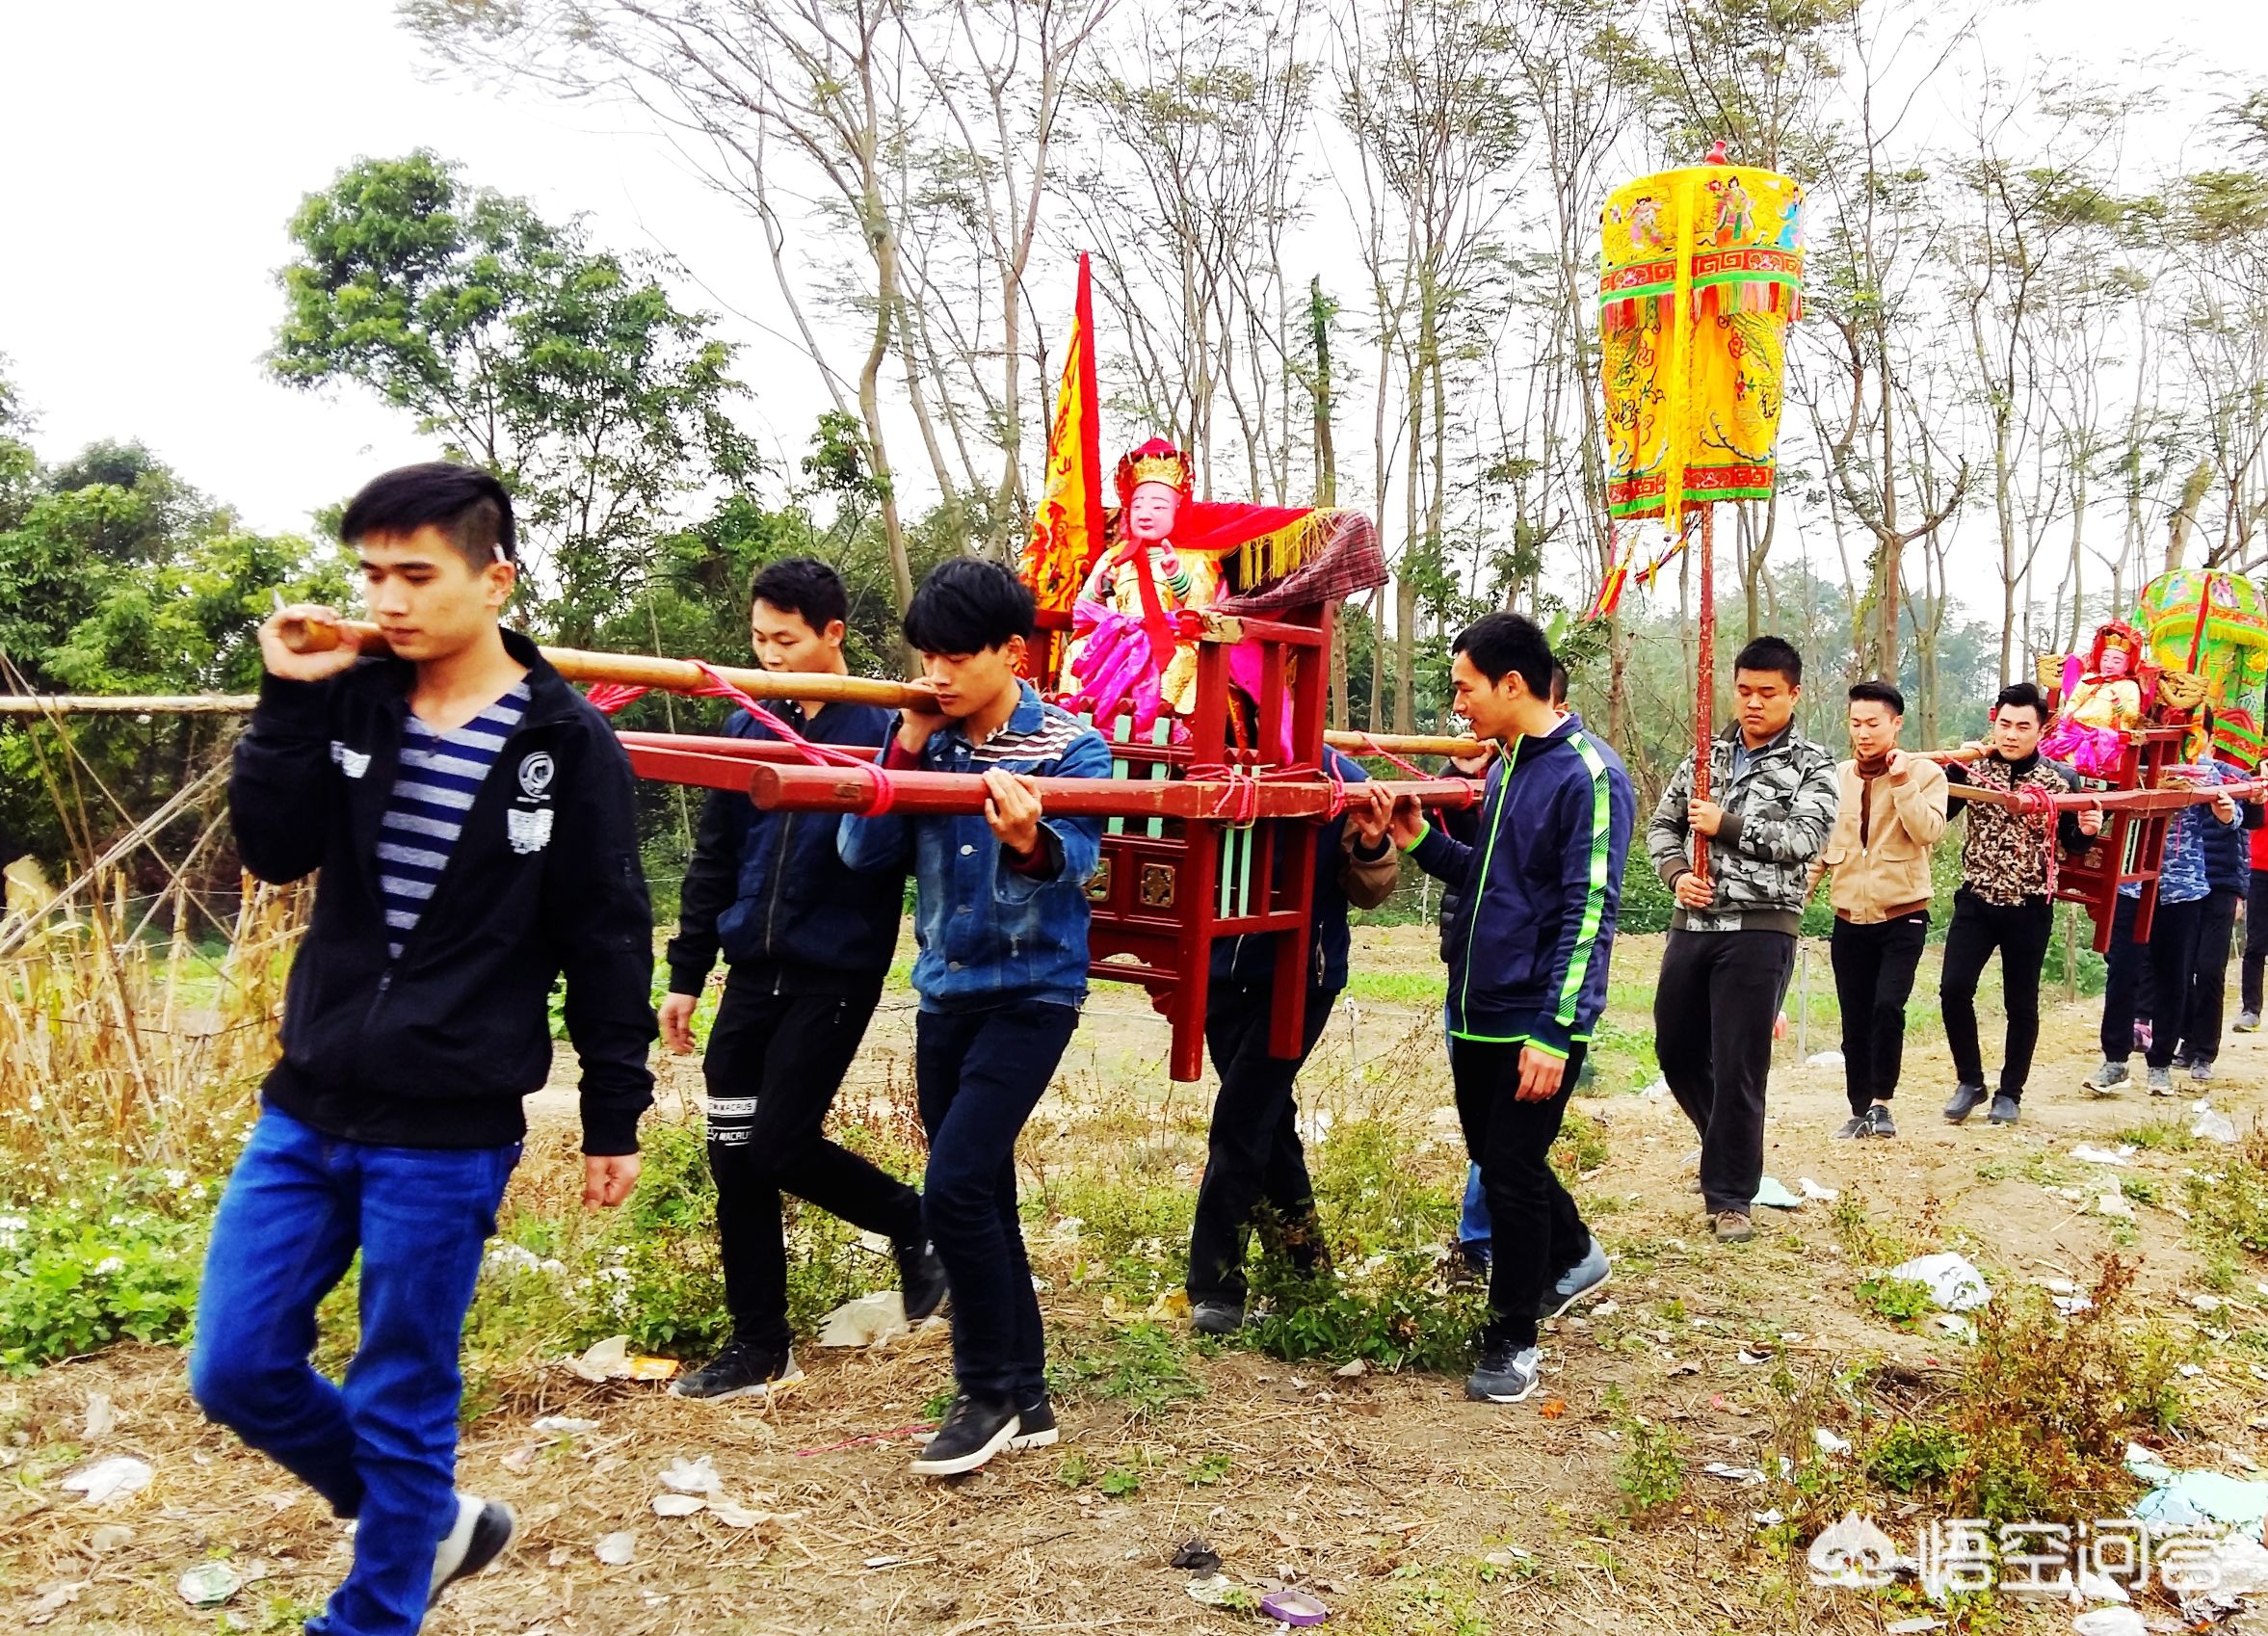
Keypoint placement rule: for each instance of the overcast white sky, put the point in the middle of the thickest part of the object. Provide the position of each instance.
(157, 148)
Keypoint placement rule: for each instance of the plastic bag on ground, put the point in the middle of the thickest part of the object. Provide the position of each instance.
(867, 1321)
(111, 1479)
(1954, 1283)
(1774, 1192)
(2190, 1499)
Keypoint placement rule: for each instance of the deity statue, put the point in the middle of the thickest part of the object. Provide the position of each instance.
(2102, 702)
(1124, 648)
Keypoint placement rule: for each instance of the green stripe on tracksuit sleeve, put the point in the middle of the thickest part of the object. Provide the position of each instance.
(1595, 899)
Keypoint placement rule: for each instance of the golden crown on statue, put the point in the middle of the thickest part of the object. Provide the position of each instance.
(1155, 461)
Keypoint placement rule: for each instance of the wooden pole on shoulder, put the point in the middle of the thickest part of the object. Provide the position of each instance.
(1706, 679)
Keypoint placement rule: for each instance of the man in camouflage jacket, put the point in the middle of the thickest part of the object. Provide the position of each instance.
(1733, 943)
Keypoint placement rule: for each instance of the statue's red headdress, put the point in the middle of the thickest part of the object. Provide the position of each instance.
(2118, 634)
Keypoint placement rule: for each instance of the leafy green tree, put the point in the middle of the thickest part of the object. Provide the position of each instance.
(565, 369)
(118, 577)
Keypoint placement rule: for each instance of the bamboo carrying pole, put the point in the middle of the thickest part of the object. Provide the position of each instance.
(683, 676)
(125, 704)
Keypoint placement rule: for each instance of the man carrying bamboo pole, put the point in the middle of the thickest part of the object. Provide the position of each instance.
(2168, 962)
(1253, 1151)
(1000, 908)
(1541, 894)
(2006, 899)
(1732, 942)
(1891, 810)
(472, 818)
(807, 942)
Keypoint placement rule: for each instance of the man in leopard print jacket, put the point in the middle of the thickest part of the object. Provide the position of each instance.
(2006, 898)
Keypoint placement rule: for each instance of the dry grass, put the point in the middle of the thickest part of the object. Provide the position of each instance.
(123, 1050)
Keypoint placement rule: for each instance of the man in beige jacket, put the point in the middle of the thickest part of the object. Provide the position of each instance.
(1892, 811)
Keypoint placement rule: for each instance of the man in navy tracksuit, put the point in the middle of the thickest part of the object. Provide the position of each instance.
(1253, 1153)
(473, 821)
(1000, 909)
(1540, 892)
(806, 940)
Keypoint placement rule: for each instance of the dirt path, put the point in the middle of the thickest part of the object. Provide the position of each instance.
(1384, 1493)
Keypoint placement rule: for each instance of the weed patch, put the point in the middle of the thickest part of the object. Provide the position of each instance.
(108, 1264)
(1393, 1312)
(1143, 1367)
(2231, 1205)
(1649, 1472)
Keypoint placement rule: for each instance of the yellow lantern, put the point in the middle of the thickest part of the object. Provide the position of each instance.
(1702, 273)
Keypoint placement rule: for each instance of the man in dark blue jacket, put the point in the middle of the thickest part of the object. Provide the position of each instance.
(2227, 879)
(1540, 895)
(1000, 910)
(471, 815)
(806, 940)
(1254, 1152)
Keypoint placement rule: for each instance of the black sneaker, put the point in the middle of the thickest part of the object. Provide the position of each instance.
(482, 1530)
(921, 1278)
(1034, 1425)
(1214, 1316)
(1852, 1128)
(1879, 1122)
(2005, 1109)
(1967, 1099)
(975, 1429)
(740, 1370)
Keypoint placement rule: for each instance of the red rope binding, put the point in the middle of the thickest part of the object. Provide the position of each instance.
(611, 697)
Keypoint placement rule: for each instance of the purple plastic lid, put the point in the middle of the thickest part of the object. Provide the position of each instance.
(1294, 1607)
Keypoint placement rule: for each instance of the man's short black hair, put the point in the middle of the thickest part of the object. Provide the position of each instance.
(464, 502)
(1499, 645)
(802, 586)
(1772, 653)
(2021, 696)
(1559, 685)
(966, 605)
(1879, 693)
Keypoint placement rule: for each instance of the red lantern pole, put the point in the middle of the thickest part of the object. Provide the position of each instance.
(1706, 685)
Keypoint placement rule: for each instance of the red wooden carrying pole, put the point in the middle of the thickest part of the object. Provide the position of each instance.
(846, 789)
(1705, 681)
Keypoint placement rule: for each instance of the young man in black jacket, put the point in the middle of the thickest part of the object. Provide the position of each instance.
(472, 818)
(806, 940)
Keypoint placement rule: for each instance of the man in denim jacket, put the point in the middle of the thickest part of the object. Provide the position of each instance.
(1000, 909)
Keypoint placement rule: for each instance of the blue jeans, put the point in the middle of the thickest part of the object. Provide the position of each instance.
(383, 1447)
(1473, 1232)
(977, 1075)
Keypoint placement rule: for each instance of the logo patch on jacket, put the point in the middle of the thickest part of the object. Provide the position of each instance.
(528, 829)
(352, 763)
(534, 772)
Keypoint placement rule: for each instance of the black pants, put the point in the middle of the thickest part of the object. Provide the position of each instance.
(2168, 961)
(978, 1076)
(2209, 982)
(2020, 932)
(775, 1063)
(1873, 977)
(1537, 1232)
(1252, 1154)
(1713, 1010)
(2255, 941)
